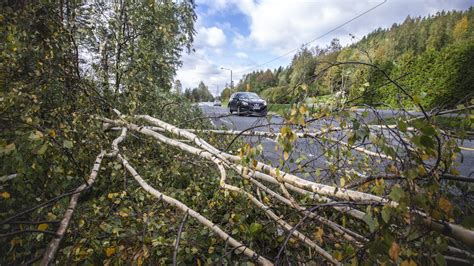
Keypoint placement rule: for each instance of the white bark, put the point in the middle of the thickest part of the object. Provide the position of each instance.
(452, 230)
(203, 220)
(53, 246)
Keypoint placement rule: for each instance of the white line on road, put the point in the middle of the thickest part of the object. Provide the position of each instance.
(226, 122)
(212, 123)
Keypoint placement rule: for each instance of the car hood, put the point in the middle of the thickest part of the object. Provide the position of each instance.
(254, 100)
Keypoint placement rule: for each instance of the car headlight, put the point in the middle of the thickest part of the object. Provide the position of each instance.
(264, 102)
(245, 103)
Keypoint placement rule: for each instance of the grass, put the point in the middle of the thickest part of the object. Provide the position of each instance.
(283, 108)
(278, 108)
(444, 122)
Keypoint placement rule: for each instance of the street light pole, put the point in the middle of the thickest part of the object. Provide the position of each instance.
(231, 82)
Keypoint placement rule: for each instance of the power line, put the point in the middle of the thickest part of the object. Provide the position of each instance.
(318, 37)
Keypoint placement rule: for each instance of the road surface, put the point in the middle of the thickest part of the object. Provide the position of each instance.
(305, 150)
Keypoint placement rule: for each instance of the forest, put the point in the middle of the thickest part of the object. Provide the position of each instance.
(433, 57)
(104, 160)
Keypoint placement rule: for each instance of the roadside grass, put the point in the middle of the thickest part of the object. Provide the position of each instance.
(323, 99)
(465, 124)
(283, 108)
(279, 108)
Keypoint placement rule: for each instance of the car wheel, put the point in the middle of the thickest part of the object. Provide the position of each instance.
(239, 112)
(230, 111)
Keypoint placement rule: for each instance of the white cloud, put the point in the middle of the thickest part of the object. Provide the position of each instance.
(285, 25)
(241, 55)
(212, 36)
(200, 67)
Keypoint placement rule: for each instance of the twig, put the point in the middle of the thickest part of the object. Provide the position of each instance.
(27, 231)
(176, 246)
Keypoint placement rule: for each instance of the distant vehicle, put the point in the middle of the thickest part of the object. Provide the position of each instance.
(217, 103)
(247, 103)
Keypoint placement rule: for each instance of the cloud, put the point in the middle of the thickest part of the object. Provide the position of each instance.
(241, 55)
(284, 25)
(212, 36)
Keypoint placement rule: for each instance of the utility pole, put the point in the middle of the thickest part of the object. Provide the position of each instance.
(217, 90)
(231, 82)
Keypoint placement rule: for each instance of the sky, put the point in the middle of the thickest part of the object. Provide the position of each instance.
(244, 35)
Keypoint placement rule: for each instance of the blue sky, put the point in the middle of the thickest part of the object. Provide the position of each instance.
(243, 34)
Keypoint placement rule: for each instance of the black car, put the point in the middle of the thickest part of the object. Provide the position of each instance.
(247, 103)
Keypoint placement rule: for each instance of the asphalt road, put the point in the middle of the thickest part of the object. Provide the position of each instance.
(307, 151)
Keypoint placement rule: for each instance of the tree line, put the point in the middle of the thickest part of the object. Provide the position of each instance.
(199, 94)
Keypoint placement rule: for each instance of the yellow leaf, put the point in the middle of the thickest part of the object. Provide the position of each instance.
(266, 200)
(109, 251)
(421, 170)
(338, 255)
(42, 227)
(445, 205)
(123, 213)
(394, 250)
(392, 168)
(293, 111)
(52, 133)
(6, 195)
(302, 109)
(319, 235)
(343, 181)
(455, 172)
(81, 223)
(408, 263)
(286, 155)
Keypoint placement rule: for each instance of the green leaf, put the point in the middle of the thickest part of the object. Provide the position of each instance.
(427, 142)
(255, 228)
(429, 130)
(68, 144)
(386, 212)
(468, 221)
(440, 260)
(7, 149)
(43, 149)
(352, 138)
(370, 221)
(402, 125)
(397, 193)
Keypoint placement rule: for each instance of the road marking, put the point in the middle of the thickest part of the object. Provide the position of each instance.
(212, 123)
(466, 149)
(226, 122)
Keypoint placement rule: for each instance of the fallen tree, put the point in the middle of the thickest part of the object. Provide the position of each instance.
(330, 195)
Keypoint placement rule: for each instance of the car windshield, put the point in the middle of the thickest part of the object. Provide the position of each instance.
(250, 96)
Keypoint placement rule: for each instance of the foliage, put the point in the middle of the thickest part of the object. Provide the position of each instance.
(63, 64)
(199, 94)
